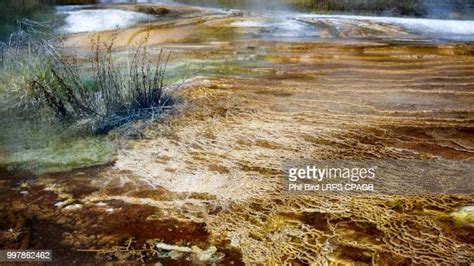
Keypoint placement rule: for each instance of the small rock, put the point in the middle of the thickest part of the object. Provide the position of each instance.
(73, 207)
(205, 255)
(63, 203)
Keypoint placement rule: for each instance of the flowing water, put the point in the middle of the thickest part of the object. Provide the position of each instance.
(286, 24)
(92, 20)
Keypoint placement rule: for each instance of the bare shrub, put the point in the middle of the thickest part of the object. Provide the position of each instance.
(104, 94)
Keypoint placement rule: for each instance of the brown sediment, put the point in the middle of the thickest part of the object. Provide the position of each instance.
(355, 103)
(33, 220)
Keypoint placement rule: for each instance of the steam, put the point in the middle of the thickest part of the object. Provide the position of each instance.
(451, 9)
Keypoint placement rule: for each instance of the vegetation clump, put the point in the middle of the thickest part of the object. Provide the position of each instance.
(152, 9)
(95, 94)
(403, 7)
(102, 94)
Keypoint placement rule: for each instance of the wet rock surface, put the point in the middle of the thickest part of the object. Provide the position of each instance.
(209, 174)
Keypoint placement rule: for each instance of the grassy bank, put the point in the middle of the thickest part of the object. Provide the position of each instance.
(12, 10)
(401, 7)
(428, 8)
(38, 10)
(414, 8)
